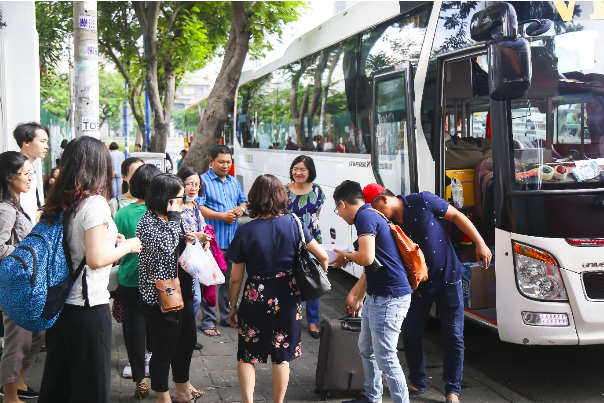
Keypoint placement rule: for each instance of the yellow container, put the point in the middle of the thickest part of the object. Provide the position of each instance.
(466, 178)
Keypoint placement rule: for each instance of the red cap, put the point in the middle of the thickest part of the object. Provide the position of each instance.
(371, 191)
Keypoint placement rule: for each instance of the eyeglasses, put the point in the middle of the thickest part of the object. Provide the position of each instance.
(301, 170)
(193, 185)
(335, 210)
(31, 174)
(183, 197)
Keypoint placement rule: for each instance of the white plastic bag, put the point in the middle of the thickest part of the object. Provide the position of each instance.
(201, 264)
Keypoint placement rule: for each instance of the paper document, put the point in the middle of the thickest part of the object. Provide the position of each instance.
(331, 255)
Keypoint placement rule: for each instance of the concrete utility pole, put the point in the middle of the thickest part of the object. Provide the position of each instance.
(86, 65)
(126, 131)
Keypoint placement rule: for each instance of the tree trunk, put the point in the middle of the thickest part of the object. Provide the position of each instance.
(316, 92)
(223, 93)
(332, 65)
(139, 134)
(298, 114)
(161, 121)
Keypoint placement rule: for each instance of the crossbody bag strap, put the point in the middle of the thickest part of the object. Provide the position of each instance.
(302, 241)
(197, 215)
(149, 273)
(66, 218)
(153, 278)
(383, 216)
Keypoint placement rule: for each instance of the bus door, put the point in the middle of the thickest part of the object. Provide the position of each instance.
(467, 155)
(393, 129)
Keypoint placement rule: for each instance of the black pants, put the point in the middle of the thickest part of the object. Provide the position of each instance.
(173, 336)
(78, 356)
(135, 331)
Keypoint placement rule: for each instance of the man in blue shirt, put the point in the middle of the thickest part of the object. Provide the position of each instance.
(384, 283)
(221, 204)
(418, 216)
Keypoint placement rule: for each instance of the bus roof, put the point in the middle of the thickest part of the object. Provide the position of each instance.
(353, 20)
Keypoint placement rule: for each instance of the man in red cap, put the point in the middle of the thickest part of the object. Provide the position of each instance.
(418, 216)
(385, 284)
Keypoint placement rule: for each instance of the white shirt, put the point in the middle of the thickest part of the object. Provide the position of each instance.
(93, 212)
(29, 200)
(117, 157)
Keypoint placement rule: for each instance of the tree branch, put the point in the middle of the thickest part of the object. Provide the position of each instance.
(250, 10)
(129, 38)
(117, 62)
(179, 7)
(139, 10)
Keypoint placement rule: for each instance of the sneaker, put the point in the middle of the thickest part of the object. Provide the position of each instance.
(25, 394)
(361, 399)
(127, 372)
(147, 359)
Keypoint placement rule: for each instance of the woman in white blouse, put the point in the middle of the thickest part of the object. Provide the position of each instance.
(78, 361)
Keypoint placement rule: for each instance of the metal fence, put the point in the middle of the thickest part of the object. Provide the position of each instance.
(59, 130)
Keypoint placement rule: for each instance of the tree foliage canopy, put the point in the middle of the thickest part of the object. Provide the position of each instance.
(111, 96)
(54, 23)
(181, 37)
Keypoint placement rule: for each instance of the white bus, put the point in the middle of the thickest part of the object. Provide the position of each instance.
(409, 91)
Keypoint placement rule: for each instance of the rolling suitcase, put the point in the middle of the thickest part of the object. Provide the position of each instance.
(339, 366)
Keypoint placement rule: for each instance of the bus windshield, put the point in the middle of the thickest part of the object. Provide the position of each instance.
(558, 126)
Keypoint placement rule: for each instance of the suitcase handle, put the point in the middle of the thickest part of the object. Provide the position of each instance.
(351, 325)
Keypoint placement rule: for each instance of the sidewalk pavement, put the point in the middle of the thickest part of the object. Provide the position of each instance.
(214, 369)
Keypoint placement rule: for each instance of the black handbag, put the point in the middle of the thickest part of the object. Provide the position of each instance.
(310, 277)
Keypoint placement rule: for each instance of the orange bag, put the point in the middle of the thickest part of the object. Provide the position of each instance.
(413, 257)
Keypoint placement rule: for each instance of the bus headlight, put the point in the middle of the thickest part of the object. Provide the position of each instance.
(538, 274)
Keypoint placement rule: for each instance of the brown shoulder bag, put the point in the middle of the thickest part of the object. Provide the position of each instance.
(169, 293)
(413, 257)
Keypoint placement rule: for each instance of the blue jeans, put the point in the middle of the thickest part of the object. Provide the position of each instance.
(116, 186)
(449, 302)
(312, 311)
(209, 317)
(380, 327)
(196, 296)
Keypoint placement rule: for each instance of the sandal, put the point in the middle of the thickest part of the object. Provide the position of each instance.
(194, 396)
(205, 331)
(142, 390)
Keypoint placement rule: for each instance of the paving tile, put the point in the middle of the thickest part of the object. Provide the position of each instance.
(214, 368)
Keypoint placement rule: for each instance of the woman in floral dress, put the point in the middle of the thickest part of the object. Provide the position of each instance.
(305, 201)
(269, 317)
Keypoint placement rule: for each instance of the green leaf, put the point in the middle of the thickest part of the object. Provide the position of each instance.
(302, 201)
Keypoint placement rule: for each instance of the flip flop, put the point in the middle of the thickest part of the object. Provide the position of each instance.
(204, 331)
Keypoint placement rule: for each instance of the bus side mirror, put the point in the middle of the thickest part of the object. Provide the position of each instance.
(495, 22)
(510, 69)
(509, 56)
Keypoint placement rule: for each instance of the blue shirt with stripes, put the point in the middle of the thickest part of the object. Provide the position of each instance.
(221, 196)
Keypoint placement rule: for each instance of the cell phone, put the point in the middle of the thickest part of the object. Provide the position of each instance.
(376, 265)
